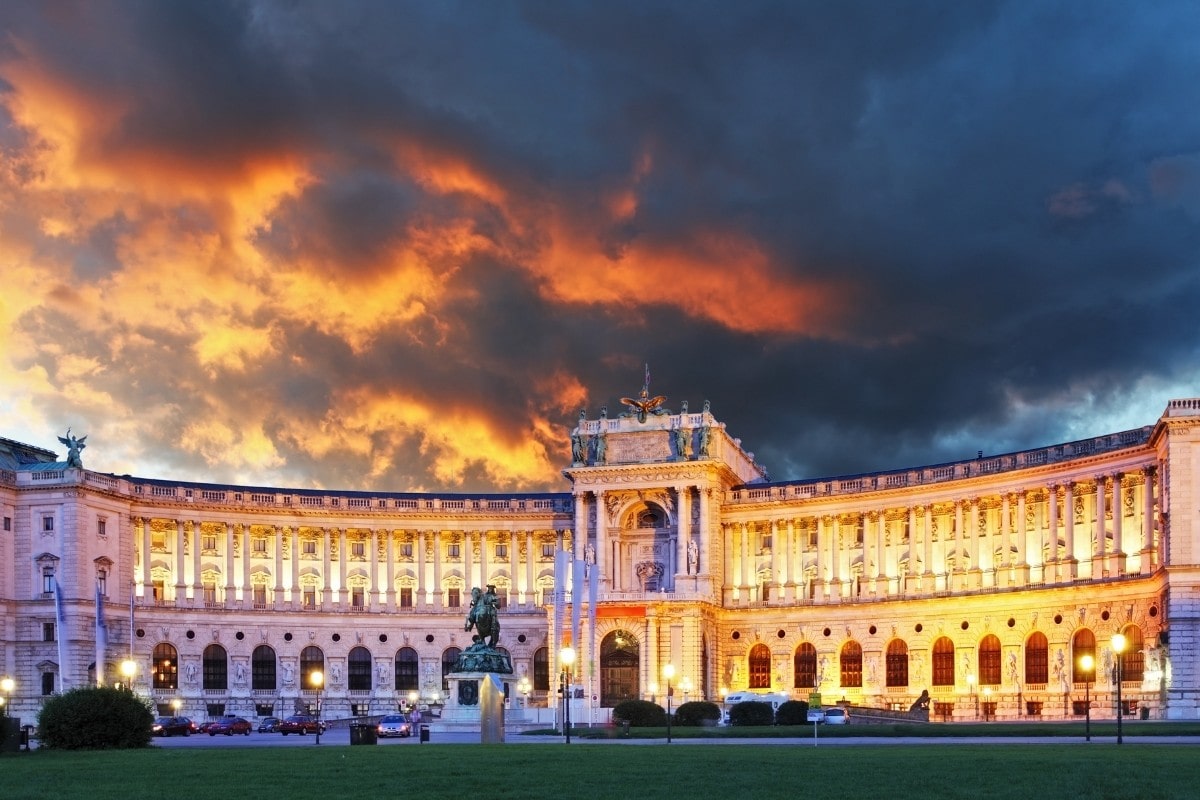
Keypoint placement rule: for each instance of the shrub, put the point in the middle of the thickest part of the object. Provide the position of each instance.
(696, 712)
(95, 718)
(751, 712)
(640, 713)
(793, 712)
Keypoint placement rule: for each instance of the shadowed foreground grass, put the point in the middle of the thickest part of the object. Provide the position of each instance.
(553, 771)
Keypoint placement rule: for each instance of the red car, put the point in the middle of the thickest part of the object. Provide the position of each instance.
(301, 724)
(229, 726)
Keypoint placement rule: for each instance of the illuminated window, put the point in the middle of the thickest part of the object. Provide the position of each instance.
(312, 659)
(1037, 658)
(453, 600)
(805, 666)
(541, 669)
(897, 663)
(166, 667)
(1083, 643)
(760, 667)
(851, 664)
(452, 551)
(406, 597)
(989, 661)
(1133, 657)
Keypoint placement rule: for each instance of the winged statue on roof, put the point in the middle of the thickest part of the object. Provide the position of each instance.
(75, 446)
(645, 404)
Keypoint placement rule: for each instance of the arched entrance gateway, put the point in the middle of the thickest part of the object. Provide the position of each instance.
(619, 655)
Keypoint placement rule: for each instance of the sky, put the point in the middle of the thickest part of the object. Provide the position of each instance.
(398, 246)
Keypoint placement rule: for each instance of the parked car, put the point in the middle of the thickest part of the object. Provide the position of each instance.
(204, 726)
(229, 725)
(301, 724)
(172, 726)
(837, 716)
(269, 725)
(394, 725)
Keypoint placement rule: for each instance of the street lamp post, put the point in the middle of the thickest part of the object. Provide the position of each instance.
(669, 673)
(128, 672)
(524, 688)
(1118, 646)
(317, 678)
(1088, 665)
(685, 683)
(566, 657)
(971, 689)
(7, 685)
(175, 705)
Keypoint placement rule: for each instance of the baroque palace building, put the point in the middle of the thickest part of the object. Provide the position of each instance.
(985, 582)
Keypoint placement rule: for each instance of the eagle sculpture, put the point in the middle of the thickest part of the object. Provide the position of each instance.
(645, 404)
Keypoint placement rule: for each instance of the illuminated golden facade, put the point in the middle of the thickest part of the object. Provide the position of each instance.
(984, 582)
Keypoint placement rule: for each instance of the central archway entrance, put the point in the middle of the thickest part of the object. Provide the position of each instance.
(619, 659)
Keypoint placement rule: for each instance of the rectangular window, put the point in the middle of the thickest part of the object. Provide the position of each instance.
(502, 596)
(310, 547)
(812, 540)
(357, 597)
(406, 550)
(158, 540)
(210, 594)
(102, 582)
(501, 551)
(309, 597)
(47, 523)
(102, 527)
(406, 597)
(8, 523)
(260, 596)
(360, 709)
(547, 551)
(452, 551)
(47, 684)
(160, 591)
(453, 600)
(48, 632)
(358, 549)
(208, 542)
(47, 580)
(259, 544)
(765, 543)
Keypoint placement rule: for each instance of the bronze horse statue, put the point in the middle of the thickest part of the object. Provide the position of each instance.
(483, 617)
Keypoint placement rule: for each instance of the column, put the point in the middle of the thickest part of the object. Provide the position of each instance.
(745, 558)
(390, 570)
(197, 583)
(1022, 530)
(483, 558)
(603, 545)
(704, 495)
(1069, 529)
(1051, 552)
(294, 543)
(243, 533)
(822, 577)
(438, 598)
(343, 566)
(881, 547)
(180, 585)
(373, 569)
(530, 560)
(326, 571)
(912, 545)
(277, 598)
(514, 565)
(960, 561)
(684, 504)
(1099, 555)
(927, 539)
(1006, 525)
(972, 531)
(1118, 512)
(230, 567)
(778, 550)
(147, 575)
(422, 598)
(835, 555)
(791, 560)
(1147, 554)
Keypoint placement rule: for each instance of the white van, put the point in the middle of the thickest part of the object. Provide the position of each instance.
(776, 700)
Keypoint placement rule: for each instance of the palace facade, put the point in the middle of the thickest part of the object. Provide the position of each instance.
(987, 582)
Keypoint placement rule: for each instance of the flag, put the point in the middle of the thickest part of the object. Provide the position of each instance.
(60, 633)
(101, 637)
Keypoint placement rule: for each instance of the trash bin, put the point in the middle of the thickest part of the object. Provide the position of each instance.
(363, 733)
(424, 733)
(625, 728)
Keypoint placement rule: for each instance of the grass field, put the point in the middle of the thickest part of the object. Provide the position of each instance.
(588, 770)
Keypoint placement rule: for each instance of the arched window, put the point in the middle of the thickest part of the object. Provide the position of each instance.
(216, 668)
(541, 669)
(804, 665)
(1133, 657)
(851, 664)
(989, 661)
(897, 663)
(449, 659)
(1083, 643)
(1037, 658)
(166, 666)
(262, 669)
(407, 669)
(312, 659)
(943, 662)
(619, 660)
(358, 677)
(760, 667)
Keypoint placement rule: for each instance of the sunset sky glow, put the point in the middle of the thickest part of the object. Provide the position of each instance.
(399, 245)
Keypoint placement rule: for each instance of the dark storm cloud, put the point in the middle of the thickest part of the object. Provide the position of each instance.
(1009, 190)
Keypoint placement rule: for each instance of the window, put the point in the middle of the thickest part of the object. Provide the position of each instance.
(8, 523)
(1037, 660)
(259, 596)
(449, 660)
(358, 549)
(453, 599)
(48, 632)
(897, 663)
(406, 597)
(452, 551)
(166, 667)
(764, 545)
(309, 597)
(407, 669)
(262, 669)
(210, 592)
(102, 526)
(989, 661)
(158, 539)
(359, 670)
(309, 547)
(259, 545)
(541, 669)
(312, 659)
(851, 664)
(1133, 663)
(760, 667)
(158, 589)
(208, 542)
(357, 596)
(1083, 644)
(47, 684)
(47, 580)
(216, 668)
(547, 550)
(47, 523)
(805, 664)
(102, 582)
(502, 596)
(406, 550)
(501, 551)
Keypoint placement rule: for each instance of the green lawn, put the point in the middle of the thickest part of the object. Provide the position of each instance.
(628, 772)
